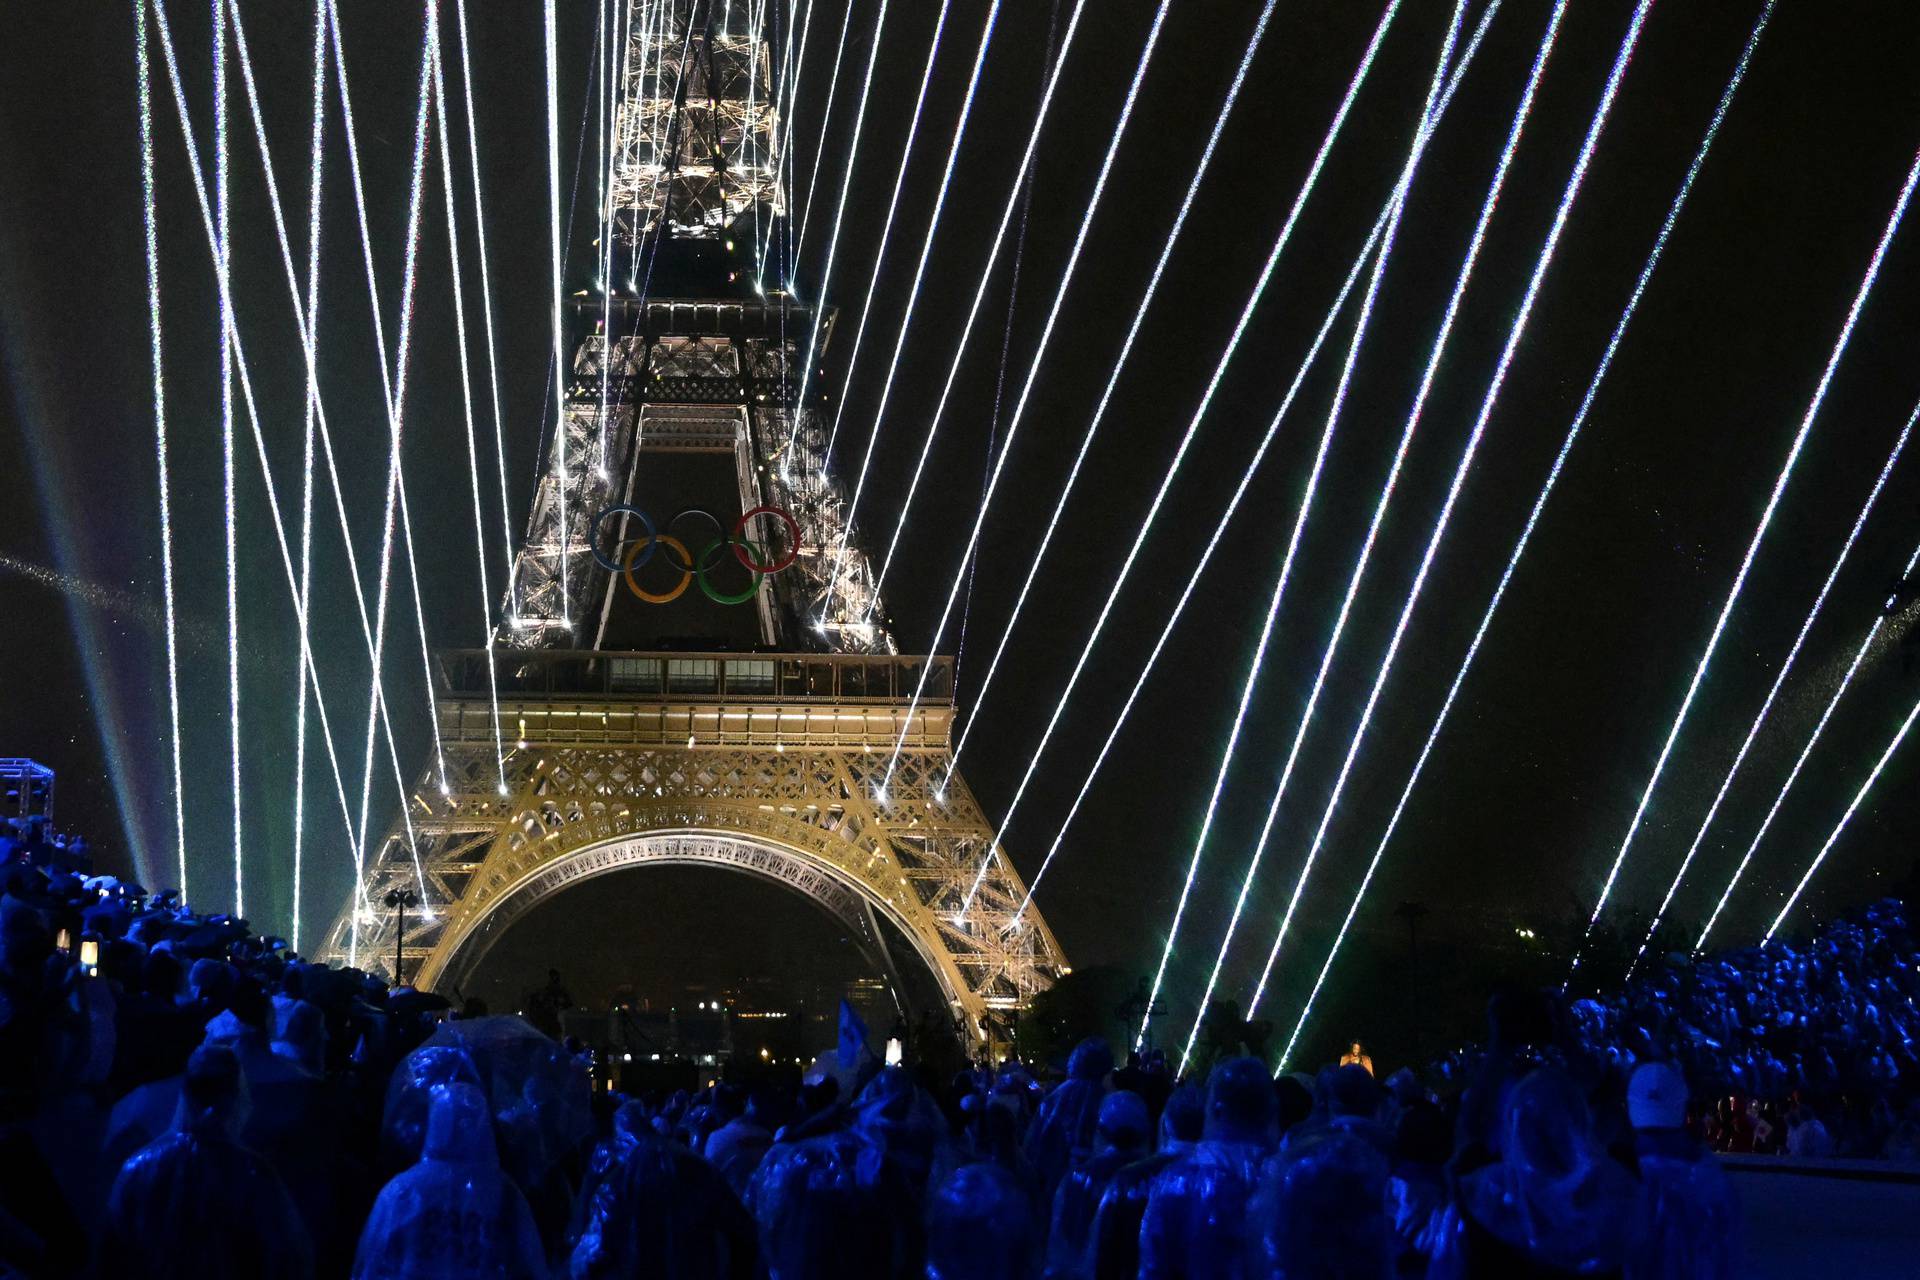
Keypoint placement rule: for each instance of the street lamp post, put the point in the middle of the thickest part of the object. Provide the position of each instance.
(400, 900)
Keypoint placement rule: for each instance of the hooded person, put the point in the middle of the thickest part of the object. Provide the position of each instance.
(737, 1147)
(1321, 1215)
(1196, 1219)
(981, 1227)
(817, 1220)
(453, 1215)
(1062, 1131)
(1685, 1220)
(661, 1210)
(197, 1205)
(1554, 1204)
(1120, 1138)
(1113, 1243)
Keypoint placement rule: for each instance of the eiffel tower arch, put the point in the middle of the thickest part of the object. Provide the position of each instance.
(613, 724)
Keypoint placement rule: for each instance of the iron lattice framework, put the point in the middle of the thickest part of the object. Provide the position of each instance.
(770, 766)
(699, 375)
(694, 138)
(768, 763)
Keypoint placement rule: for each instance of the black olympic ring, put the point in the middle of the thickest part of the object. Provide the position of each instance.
(695, 567)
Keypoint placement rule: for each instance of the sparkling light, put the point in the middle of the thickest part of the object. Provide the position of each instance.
(151, 229)
(1753, 547)
(1766, 705)
(1878, 765)
(1514, 333)
(1139, 318)
(1793, 774)
(886, 232)
(1533, 517)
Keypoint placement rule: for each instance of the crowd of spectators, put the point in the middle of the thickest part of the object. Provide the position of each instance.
(180, 1097)
(1799, 1048)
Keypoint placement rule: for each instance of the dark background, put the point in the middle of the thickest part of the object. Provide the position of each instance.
(1531, 787)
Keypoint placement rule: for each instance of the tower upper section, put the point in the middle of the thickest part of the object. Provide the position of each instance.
(696, 135)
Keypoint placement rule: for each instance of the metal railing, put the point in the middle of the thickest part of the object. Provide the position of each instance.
(698, 677)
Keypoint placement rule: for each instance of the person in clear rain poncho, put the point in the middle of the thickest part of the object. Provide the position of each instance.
(1196, 1220)
(195, 1204)
(454, 1214)
(661, 1210)
(1321, 1214)
(1062, 1132)
(1686, 1220)
(1554, 1204)
(980, 1227)
(1113, 1243)
(1122, 1136)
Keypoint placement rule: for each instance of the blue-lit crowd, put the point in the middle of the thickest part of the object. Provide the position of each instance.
(180, 1097)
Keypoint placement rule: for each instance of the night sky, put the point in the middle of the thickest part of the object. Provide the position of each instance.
(1533, 783)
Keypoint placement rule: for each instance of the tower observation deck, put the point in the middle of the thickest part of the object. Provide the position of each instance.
(693, 666)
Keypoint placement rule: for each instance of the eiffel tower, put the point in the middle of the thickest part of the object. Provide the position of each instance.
(746, 725)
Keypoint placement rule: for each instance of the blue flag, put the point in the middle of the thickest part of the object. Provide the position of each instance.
(853, 1038)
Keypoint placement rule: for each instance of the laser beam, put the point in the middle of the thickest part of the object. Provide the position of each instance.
(1461, 470)
(1515, 331)
(486, 293)
(1246, 479)
(466, 397)
(316, 153)
(150, 229)
(1139, 317)
(1813, 739)
(198, 174)
(886, 232)
(1853, 806)
(559, 327)
(913, 290)
(1539, 504)
(222, 267)
(1753, 547)
(846, 188)
(1779, 679)
(826, 118)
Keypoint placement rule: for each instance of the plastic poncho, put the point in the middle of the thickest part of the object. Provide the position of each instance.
(1554, 1200)
(979, 1227)
(1123, 1129)
(736, 1149)
(1322, 1215)
(1686, 1219)
(1062, 1132)
(541, 1103)
(663, 1211)
(817, 1220)
(1196, 1217)
(195, 1205)
(453, 1215)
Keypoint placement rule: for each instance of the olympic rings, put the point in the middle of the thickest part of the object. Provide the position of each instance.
(752, 554)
